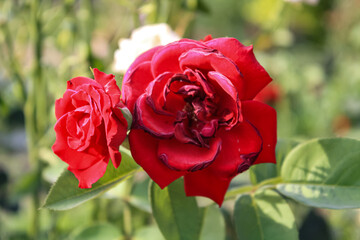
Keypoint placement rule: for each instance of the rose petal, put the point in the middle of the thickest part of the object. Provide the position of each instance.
(75, 159)
(166, 59)
(64, 105)
(263, 117)
(90, 175)
(144, 57)
(109, 84)
(229, 100)
(135, 83)
(115, 134)
(74, 83)
(210, 60)
(187, 157)
(154, 122)
(205, 183)
(255, 76)
(239, 148)
(155, 89)
(144, 151)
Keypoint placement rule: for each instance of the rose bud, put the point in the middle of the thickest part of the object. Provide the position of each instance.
(194, 114)
(90, 126)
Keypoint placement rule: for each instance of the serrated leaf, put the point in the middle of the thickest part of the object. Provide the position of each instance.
(178, 216)
(264, 215)
(323, 173)
(66, 194)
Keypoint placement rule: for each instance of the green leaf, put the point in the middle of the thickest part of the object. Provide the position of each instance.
(264, 215)
(66, 194)
(214, 224)
(264, 171)
(99, 231)
(323, 173)
(178, 216)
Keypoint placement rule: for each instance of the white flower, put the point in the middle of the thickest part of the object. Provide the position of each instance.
(141, 40)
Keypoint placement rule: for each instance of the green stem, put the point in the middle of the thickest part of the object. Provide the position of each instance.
(36, 113)
(248, 188)
(87, 26)
(12, 63)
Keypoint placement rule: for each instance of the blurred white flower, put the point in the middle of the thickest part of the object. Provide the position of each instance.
(311, 2)
(141, 40)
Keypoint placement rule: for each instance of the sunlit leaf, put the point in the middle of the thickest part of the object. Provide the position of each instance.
(66, 194)
(323, 173)
(178, 216)
(264, 215)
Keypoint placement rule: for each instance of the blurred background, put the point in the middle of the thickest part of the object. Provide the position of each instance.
(311, 48)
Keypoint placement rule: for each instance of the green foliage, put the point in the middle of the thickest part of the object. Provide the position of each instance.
(178, 216)
(66, 194)
(323, 173)
(213, 227)
(264, 215)
(98, 231)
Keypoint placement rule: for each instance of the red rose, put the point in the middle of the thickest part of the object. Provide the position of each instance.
(194, 115)
(90, 126)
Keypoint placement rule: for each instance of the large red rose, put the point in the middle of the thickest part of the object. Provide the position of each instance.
(194, 114)
(90, 126)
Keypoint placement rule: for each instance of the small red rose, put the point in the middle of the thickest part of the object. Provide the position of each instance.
(194, 114)
(90, 126)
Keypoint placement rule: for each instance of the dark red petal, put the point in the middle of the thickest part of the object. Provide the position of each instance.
(227, 94)
(167, 58)
(156, 89)
(75, 159)
(156, 123)
(239, 148)
(135, 83)
(255, 76)
(263, 117)
(90, 175)
(204, 183)
(203, 59)
(74, 83)
(188, 157)
(144, 151)
(144, 57)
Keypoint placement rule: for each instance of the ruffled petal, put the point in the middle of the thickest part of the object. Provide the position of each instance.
(90, 175)
(255, 76)
(210, 60)
(115, 134)
(74, 83)
(187, 157)
(227, 95)
(64, 105)
(135, 83)
(263, 118)
(239, 149)
(167, 58)
(76, 159)
(109, 84)
(144, 151)
(152, 121)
